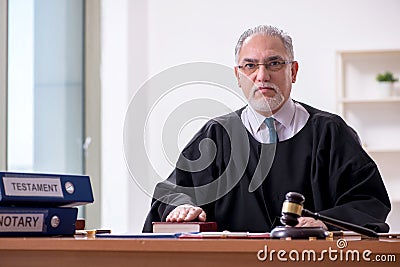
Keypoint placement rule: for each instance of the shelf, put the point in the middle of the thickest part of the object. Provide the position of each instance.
(375, 117)
(382, 151)
(357, 72)
(394, 99)
(363, 53)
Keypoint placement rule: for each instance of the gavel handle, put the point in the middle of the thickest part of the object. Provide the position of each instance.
(340, 224)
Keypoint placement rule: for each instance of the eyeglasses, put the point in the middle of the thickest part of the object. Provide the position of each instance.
(275, 65)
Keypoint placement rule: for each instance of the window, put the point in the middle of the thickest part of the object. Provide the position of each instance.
(46, 104)
(45, 85)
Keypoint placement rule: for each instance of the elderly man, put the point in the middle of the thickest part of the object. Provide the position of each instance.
(270, 147)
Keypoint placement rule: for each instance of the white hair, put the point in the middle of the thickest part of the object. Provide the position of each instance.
(268, 31)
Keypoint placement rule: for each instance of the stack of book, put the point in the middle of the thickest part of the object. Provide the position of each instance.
(33, 204)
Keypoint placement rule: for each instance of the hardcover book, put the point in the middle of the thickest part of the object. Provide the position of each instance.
(30, 221)
(225, 234)
(184, 227)
(50, 190)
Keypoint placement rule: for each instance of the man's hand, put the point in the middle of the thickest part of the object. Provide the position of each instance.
(310, 222)
(186, 213)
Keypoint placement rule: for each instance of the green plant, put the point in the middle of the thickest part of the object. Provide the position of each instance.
(386, 77)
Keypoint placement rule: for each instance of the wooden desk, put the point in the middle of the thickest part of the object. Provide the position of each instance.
(68, 252)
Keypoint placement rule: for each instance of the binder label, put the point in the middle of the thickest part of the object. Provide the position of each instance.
(21, 222)
(38, 187)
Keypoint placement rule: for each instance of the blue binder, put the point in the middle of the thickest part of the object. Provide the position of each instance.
(30, 221)
(44, 189)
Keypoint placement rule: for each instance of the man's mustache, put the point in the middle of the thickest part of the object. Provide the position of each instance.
(264, 85)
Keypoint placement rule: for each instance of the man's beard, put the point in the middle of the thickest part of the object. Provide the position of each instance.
(266, 104)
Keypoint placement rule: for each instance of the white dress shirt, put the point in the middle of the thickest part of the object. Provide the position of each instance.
(289, 120)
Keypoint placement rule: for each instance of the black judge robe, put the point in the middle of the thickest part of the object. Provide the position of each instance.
(324, 161)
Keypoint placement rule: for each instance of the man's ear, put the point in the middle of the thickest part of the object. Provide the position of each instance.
(295, 68)
(236, 70)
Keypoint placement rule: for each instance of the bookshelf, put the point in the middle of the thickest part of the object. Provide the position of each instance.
(376, 118)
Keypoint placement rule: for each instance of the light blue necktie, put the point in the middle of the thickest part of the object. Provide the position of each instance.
(273, 136)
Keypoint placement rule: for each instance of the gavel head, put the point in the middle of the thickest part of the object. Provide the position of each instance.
(292, 208)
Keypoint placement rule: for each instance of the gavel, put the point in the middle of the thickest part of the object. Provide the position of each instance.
(292, 209)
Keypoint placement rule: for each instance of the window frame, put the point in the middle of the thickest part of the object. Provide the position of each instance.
(92, 110)
(3, 83)
(92, 88)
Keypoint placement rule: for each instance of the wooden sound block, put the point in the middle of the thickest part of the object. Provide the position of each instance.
(286, 232)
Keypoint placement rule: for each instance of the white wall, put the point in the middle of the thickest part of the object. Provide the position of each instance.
(184, 31)
(114, 73)
(142, 38)
(123, 69)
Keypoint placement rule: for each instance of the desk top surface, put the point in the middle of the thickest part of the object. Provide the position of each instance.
(221, 252)
(193, 245)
